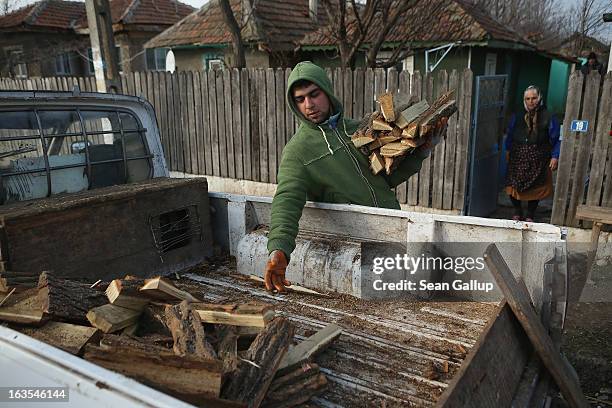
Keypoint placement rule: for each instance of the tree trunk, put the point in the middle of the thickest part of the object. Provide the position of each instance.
(234, 28)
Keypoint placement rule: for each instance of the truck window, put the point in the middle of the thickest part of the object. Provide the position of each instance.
(45, 152)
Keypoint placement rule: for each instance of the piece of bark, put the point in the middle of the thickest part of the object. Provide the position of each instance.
(4, 287)
(380, 124)
(253, 377)
(23, 308)
(377, 163)
(247, 314)
(388, 165)
(296, 387)
(162, 289)
(227, 346)
(361, 140)
(66, 336)
(66, 300)
(386, 106)
(429, 123)
(188, 377)
(394, 149)
(310, 347)
(110, 318)
(153, 320)
(411, 113)
(126, 293)
(412, 143)
(188, 332)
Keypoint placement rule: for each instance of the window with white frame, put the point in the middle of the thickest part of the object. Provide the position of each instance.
(156, 59)
(62, 64)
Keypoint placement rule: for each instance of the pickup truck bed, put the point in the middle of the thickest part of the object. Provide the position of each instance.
(388, 349)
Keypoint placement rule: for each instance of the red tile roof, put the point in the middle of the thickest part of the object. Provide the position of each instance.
(66, 15)
(277, 24)
(46, 14)
(286, 24)
(438, 21)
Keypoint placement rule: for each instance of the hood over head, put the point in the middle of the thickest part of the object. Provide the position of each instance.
(306, 70)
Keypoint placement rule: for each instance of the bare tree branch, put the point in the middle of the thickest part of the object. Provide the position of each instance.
(234, 28)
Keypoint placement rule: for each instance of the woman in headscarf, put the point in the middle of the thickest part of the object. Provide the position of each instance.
(532, 152)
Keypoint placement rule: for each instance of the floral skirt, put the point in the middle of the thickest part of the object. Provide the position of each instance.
(529, 176)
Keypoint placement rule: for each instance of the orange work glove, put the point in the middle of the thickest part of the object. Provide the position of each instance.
(274, 275)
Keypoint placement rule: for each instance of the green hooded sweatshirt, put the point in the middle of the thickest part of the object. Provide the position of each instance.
(320, 163)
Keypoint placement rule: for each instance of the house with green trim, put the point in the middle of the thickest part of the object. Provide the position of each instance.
(453, 34)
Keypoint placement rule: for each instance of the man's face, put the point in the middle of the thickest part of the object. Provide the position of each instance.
(592, 61)
(312, 102)
(531, 99)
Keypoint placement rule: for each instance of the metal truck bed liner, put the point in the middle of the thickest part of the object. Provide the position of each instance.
(387, 350)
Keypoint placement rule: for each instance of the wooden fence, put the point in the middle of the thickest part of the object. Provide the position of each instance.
(585, 163)
(235, 123)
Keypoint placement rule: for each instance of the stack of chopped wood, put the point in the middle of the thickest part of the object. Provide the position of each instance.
(206, 354)
(399, 128)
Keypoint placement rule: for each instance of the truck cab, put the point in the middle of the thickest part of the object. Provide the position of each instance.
(66, 142)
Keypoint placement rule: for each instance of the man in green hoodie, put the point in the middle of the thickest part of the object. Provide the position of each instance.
(320, 163)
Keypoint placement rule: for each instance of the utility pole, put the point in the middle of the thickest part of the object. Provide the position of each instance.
(105, 61)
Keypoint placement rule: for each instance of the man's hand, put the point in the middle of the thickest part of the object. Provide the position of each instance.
(275, 272)
(554, 163)
(435, 136)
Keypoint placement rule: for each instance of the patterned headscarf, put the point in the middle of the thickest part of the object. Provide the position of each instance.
(531, 118)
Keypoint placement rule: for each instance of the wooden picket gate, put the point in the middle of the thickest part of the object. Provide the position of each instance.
(234, 123)
(584, 175)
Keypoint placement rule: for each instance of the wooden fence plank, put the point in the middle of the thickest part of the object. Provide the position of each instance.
(207, 123)
(338, 82)
(214, 129)
(290, 122)
(368, 95)
(358, 108)
(191, 129)
(380, 84)
(347, 93)
(237, 124)
(600, 147)
(589, 110)
(200, 161)
(270, 118)
(439, 152)
(169, 116)
(229, 128)
(263, 121)
(162, 112)
(463, 137)
(412, 191)
(572, 109)
(451, 147)
(607, 188)
(245, 78)
(425, 173)
(254, 120)
(281, 137)
(137, 85)
(184, 120)
(401, 192)
(221, 124)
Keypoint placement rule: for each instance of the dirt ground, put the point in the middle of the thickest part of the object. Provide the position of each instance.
(587, 340)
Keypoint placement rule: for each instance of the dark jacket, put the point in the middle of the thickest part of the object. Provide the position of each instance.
(548, 132)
